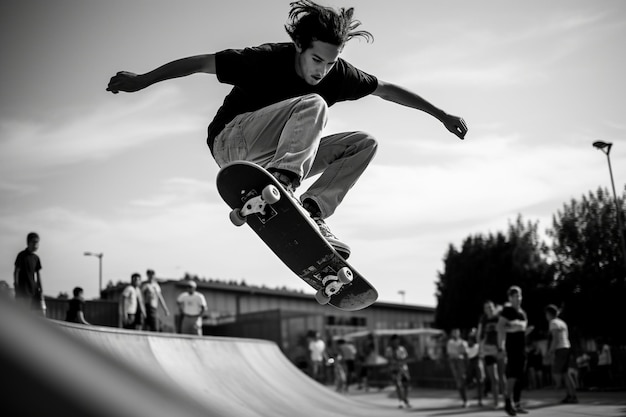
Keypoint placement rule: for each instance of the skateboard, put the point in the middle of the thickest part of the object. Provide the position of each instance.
(259, 200)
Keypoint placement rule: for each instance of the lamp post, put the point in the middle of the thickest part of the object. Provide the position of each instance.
(605, 147)
(99, 256)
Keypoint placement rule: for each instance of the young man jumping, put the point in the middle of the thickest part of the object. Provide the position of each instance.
(278, 107)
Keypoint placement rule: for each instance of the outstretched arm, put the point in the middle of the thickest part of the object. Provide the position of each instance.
(400, 95)
(131, 82)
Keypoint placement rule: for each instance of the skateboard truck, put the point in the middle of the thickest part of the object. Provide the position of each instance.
(332, 285)
(257, 204)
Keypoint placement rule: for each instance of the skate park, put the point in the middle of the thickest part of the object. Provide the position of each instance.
(55, 368)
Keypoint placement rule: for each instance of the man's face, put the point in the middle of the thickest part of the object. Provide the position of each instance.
(516, 299)
(314, 63)
(490, 309)
(33, 244)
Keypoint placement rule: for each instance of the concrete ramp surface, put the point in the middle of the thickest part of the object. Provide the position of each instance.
(98, 371)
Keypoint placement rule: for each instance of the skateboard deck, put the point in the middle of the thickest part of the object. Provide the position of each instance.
(258, 199)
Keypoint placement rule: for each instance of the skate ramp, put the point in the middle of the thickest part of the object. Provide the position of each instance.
(98, 371)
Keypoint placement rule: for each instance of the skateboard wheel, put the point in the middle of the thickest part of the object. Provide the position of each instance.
(345, 275)
(270, 194)
(236, 218)
(321, 297)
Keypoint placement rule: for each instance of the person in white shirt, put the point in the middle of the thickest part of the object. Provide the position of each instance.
(318, 356)
(191, 305)
(457, 356)
(560, 349)
(131, 304)
(152, 297)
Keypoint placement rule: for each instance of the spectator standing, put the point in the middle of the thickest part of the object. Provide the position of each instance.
(152, 298)
(27, 276)
(349, 353)
(512, 326)
(560, 350)
(475, 368)
(535, 367)
(457, 357)
(605, 360)
(318, 356)
(488, 338)
(75, 312)
(131, 304)
(340, 368)
(191, 306)
(397, 356)
(583, 362)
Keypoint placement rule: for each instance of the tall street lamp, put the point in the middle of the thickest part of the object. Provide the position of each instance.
(99, 256)
(605, 147)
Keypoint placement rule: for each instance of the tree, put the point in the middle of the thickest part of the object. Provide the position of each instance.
(590, 273)
(485, 267)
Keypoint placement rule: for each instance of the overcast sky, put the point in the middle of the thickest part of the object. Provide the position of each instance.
(130, 175)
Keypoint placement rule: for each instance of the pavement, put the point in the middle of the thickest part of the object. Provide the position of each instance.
(539, 403)
(53, 368)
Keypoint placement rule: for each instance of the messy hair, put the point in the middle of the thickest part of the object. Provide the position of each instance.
(309, 21)
(31, 236)
(514, 290)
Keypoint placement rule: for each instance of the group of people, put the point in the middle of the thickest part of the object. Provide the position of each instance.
(341, 356)
(497, 349)
(349, 365)
(139, 306)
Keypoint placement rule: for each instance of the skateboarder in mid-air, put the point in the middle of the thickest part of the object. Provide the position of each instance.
(278, 107)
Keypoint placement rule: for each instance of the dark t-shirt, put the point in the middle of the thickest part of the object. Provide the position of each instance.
(28, 264)
(515, 340)
(266, 74)
(490, 330)
(76, 305)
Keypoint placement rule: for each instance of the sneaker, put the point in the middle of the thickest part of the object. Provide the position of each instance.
(520, 410)
(290, 189)
(569, 400)
(339, 246)
(508, 407)
(285, 181)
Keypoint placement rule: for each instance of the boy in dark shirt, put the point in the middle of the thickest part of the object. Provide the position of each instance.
(75, 312)
(512, 328)
(27, 276)
(277, 109)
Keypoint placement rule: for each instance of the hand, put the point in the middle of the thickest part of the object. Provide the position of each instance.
(455, 125)
(125, 81)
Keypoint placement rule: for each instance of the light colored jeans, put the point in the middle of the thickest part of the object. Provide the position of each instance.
(288, 136)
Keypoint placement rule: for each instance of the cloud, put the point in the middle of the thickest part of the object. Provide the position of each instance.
(33, 148)
(177, 191)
